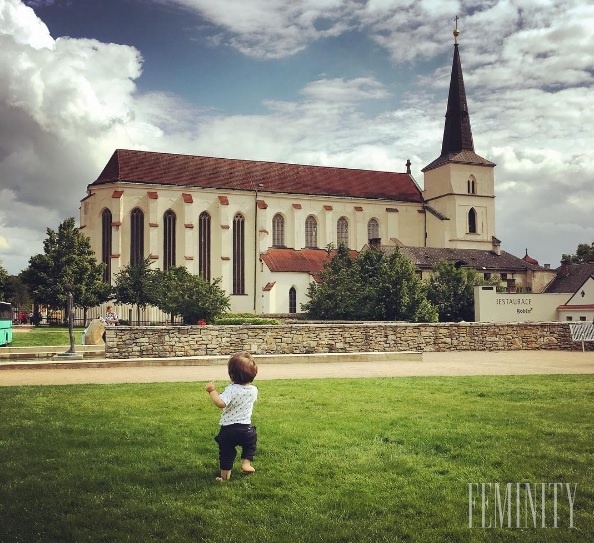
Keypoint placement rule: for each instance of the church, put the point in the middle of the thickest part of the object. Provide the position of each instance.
(264, 227)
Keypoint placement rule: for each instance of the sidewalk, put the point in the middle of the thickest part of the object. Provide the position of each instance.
(428, 364)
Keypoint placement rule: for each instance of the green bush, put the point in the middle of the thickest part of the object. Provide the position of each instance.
(245, 320)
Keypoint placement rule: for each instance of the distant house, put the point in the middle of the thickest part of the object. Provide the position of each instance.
(577, 281)
(263, 227)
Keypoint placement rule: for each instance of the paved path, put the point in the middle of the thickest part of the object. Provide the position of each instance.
(432, 364)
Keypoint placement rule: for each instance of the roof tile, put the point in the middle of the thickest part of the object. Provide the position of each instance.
(233, 174)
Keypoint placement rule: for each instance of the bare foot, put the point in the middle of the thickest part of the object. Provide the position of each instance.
(225, 475)
(246, 467)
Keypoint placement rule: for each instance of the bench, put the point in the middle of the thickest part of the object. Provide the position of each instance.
(582, 331)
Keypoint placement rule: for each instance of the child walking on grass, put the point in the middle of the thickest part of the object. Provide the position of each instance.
(237, 402)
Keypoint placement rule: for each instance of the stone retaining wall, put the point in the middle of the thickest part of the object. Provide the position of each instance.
(172, 341)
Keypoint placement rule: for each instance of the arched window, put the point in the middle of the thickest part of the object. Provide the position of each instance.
(472, 221)
(168, 239)
(311, 232)
(238, 254)
(204, 245)
(278, 230)
(106, 244)
(292, 300)
(136, 236)
(372, 229)
(342, 232)
(472, 186)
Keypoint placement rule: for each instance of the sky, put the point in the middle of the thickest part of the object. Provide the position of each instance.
(346, 83)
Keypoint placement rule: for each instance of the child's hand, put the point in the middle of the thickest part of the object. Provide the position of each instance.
(210, 387)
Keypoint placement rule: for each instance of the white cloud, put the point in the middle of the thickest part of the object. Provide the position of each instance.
(272, 28)
(66, 104)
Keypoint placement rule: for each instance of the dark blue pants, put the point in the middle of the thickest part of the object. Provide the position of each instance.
(234, 435)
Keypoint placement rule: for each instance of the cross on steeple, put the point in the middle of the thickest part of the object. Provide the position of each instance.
(456, 31)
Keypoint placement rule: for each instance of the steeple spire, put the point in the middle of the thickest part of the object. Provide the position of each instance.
(457, 134)
(457, 145)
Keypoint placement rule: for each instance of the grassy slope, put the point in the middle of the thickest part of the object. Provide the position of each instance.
(338, 460)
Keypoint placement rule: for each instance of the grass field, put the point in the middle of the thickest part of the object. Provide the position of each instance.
(339, 460)
(45, 337)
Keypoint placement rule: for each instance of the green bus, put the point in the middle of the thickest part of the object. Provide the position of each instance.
(5, 323)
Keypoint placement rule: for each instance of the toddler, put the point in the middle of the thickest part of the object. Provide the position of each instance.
(237, 403)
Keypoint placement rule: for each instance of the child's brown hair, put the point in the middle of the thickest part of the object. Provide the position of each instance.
(242, 368)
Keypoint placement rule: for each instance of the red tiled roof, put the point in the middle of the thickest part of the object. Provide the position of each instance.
(290, 260)
(233, 174)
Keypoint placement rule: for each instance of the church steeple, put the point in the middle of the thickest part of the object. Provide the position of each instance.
(457, 134)
(457, 145)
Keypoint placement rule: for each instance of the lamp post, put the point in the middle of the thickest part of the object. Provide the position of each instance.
(70, 311)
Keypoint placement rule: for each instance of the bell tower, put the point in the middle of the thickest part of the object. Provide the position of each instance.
(459, 189)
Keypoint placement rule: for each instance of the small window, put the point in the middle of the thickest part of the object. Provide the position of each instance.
(568, 318)
(373, 229)
(342, 232)
(292, 300)
(487, 275)
(278, 230)
(311, 232)
(504, 276)
(582, 318)
(472, 221)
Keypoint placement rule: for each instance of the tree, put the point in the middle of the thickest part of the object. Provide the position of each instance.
(375, 285)
(137, 285)
(584, 253)
(67, 260)
(16, 292)
(451, 290)
(3, 281)
(190, 296)
(338, 275)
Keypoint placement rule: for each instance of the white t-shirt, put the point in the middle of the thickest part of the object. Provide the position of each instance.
(239, 400)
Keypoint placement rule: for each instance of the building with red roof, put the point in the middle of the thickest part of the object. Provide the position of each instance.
(264, 227)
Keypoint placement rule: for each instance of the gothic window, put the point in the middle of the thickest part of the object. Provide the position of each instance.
(342, 232)
(204, 245)
(292, 300)
(238, 254)
(471, 186)
(278, 230)
(136, 236)
(106, 244)
(472, 221)
(311, 232)
(372, 229)
(169, 221)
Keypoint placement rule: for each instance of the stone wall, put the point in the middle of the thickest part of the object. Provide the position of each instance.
(174, 341)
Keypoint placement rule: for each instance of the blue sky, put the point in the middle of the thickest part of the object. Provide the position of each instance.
(349, 83)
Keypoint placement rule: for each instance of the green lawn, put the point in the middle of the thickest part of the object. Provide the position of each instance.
(339, 460)
(45, 337)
